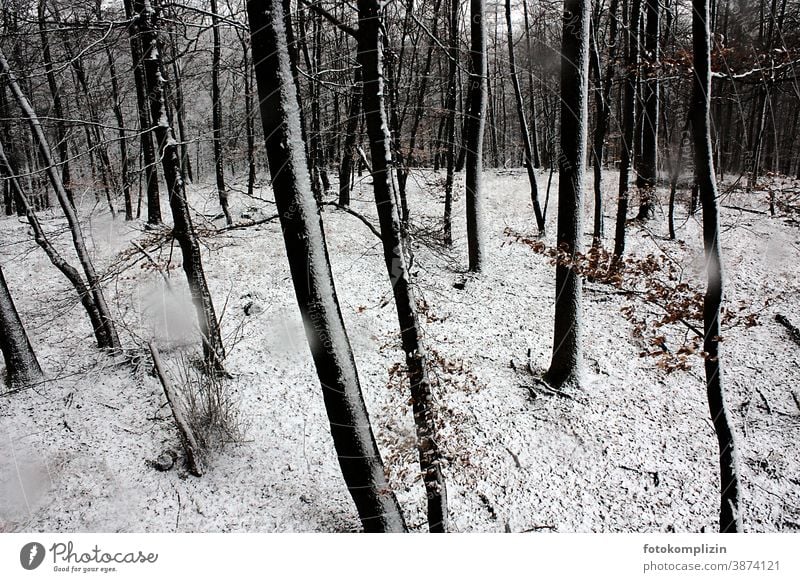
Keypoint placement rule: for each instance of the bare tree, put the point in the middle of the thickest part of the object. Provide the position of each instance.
(307, 253)
(729, 514)
(565, 364)
(474, 125)
(216, 116)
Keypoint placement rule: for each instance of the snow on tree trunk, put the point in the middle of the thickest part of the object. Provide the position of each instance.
(370, 56)
(729, 514)
(22, 367)
(306, 250)
(565, 364)
(182, 229)
(474, 125)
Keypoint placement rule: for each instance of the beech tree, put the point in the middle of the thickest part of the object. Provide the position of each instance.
(565, 364)
(359, 458)
(729, 513)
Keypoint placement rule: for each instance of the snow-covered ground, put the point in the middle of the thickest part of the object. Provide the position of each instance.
(633, 450)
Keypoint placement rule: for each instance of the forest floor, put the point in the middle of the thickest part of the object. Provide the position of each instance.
(632, 450)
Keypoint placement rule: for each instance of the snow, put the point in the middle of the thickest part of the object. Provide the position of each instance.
(633, 450)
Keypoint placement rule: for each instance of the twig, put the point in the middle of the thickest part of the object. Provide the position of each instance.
(247, 224)
(349, 210)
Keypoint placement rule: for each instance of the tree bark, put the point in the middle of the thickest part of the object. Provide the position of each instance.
(370, 55)
(22, 367)
(216, 116)
(307, 253)
(349, 154)
(648, 166)
(729, 515)
(565, 364)
(474, 126)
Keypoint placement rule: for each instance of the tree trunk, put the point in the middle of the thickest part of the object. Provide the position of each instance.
(729, 515)
(183, 230)
(123, 142)
(452, 90)
(22, 367)
(370, 55)
(628, 126)
(474, 125)
(145, 127)
(565, 365)
(216, 116)
(648, 166)
(351, 137)
(307, 253)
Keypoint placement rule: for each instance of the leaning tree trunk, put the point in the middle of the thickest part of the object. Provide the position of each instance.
(565, 364)
(370, 55)
(22, 367)
(307, 253)
(474, 125)
(183, 230)
(729, 515)
(70, 272)
(216, 116)
(523, 125)
(106, 334)
(648, 164)
(628, 127)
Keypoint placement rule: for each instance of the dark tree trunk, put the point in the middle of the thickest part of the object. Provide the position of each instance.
(355, 444)
(531, 84)
(370, 55)
(145, 127)
(116, 105)
(349, 154)
(474, 125)
(182, 230)
(22, 367)
(628, 126)
(452, 90)
(523, 126)
(565, 365)
(602, 100)
(729, 515)
(648, 166)
(216, 116)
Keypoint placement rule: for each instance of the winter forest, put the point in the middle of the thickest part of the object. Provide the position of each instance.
(394, 265)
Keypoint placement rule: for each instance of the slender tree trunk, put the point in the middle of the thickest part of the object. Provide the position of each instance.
(531, 84)
(22, 367)
(523, 126)
(452, 89)
(628, 126)
(370, 55)
(729, 516)
(107, 334)
(351, 137)
(116, 106)
(182, 230)
(58, 108)
(648, 168)
(145, 127)
(216, 116)
(473, 140)
(358, 454)
(565, 365)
